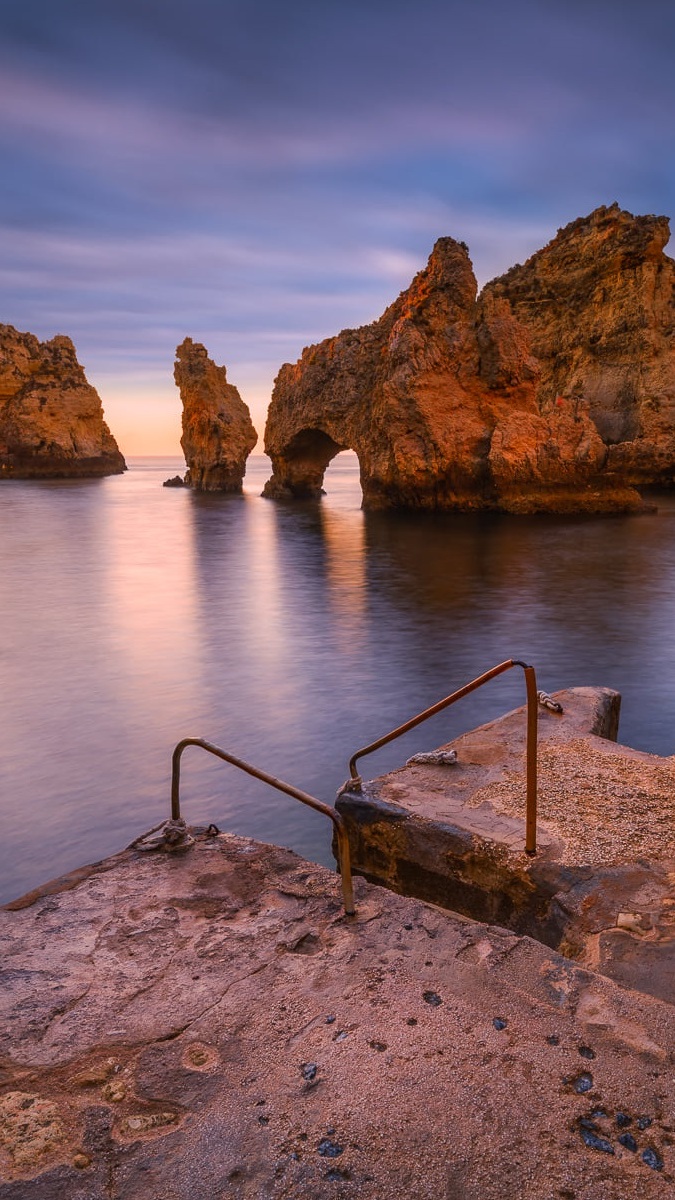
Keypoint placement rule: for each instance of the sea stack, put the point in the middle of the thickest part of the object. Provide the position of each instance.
(218, 433)
(51, 418)
(552, 391)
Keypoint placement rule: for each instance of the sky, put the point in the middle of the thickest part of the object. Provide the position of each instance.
(259, 174)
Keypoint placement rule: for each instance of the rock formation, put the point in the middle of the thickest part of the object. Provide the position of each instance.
(218, 433)
(51, 419)
(598, 306)
(554, 390)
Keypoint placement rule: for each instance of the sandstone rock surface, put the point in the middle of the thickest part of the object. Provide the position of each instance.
(51, 419)
(554, 390)
(209, 1024)
(218, 433)
(598, 304)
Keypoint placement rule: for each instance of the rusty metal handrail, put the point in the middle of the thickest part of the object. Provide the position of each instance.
(531, 746)
(344, 861)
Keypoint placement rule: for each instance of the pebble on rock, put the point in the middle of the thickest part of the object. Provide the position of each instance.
(652, 1159)
(309, 1070)
(596, 1143)
(328, 1149)
(627, 1140)
(432, 998)
(499, 1023)
(583, 1083)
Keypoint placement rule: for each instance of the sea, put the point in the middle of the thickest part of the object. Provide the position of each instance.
(291, 635)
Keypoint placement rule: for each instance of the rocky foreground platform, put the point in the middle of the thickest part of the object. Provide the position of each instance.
(210, 1025)
(601, 887)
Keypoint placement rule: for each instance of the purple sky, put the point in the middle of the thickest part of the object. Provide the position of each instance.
(258, 175)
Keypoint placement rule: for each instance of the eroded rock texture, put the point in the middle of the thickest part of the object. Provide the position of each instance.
(553, 390)
(51, 419)
(218, 433)
(598, 306)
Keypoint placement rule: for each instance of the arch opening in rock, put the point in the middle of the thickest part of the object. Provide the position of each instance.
(300, 468)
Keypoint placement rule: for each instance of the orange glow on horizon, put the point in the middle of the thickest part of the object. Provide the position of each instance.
(147, 421)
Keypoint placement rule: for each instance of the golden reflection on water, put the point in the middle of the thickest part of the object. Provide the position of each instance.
(150, 590)
(344, 536)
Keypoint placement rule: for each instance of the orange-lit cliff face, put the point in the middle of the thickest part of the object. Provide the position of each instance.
(456, 402)
(51, 419)
(598, 305)
(218, 433)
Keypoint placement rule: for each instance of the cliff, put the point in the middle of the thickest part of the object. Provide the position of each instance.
(598, 306)
(218, 433)
(51, 419)
(532, 397)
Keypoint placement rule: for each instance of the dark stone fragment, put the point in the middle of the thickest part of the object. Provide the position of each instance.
(263, 1120)
(175, 481)
(499, 1024)
(328, 1149)
(587, 1123)
(309, 1070)
(378, 1046)
(583, 1083)
(98, 1123)
(598, 1112)
(627, 1140)
(553, 1039)
(586, 1052)
(596, 1143)
(643, 1122)
(411, 1021)
(330, 1132)
(407, 926)
(335, 1175)
(330, 1020)
(623, 1120)
(432, 998)
(652, 1159)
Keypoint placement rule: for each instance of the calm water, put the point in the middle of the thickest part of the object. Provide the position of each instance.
(132, 615)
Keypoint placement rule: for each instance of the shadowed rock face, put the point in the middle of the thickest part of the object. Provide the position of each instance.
(218, 433)
(554, 390)
(51, 419)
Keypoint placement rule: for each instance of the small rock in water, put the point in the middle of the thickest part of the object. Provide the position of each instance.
(309, 1070)
(432, 998)
(175, 481)
(652, 1159)
(499, 1024)
(328, 1149)
(627, 1140)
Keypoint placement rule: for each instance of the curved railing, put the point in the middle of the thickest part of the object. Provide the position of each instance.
(354, 782)
(344, 861)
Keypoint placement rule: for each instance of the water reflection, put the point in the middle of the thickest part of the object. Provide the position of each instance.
(291, 634)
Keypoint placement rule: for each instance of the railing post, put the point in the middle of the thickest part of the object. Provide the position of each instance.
(354, 782)
(531, 763)
(344, 862)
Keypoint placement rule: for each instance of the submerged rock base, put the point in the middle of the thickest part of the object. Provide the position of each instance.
(209, 1025)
